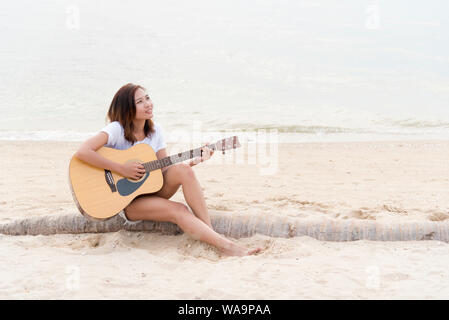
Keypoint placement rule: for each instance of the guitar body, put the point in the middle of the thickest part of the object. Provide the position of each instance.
(101, 194)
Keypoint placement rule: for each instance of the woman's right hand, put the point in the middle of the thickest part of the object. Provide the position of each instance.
(132, 170)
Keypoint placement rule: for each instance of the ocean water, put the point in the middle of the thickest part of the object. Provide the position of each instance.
(307, 70)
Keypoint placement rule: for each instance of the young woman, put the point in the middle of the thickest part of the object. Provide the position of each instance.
(130, 114)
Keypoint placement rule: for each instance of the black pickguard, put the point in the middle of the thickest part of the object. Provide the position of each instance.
(126, 187)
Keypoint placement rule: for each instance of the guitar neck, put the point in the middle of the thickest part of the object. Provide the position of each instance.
(179, 157)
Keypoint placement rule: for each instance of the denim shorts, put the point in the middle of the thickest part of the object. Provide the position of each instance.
(123, 215)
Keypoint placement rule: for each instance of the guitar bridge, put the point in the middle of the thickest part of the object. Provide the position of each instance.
(110, 180)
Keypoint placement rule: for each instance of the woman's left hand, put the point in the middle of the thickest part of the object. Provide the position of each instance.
(206, 154)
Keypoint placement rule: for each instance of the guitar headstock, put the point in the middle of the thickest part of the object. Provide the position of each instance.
(227, 144)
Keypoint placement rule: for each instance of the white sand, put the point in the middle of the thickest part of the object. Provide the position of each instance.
(388, 181)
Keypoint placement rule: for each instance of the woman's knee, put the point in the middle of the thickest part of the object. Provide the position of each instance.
(186, 171)
(180, 211)
(177, 174)
(156, 209)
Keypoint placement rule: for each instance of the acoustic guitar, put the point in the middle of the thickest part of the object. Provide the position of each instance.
(100, 194)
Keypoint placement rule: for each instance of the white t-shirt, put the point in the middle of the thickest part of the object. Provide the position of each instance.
(116, 137)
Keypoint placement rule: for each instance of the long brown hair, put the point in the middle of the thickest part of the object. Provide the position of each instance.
(123, 110)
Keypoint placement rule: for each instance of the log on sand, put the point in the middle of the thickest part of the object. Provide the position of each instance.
(238, 226)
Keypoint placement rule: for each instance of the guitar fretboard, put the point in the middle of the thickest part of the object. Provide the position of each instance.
(179, 157)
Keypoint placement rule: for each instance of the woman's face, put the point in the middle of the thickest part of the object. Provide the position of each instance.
(144, 106)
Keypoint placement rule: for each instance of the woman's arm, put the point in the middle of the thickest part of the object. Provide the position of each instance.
(87, 153)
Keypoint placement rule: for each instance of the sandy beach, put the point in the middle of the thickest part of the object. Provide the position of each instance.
(385, 181)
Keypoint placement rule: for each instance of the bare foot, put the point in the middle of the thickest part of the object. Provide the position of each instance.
(254, 251)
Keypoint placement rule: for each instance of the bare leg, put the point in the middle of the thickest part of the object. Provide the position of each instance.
(159, 209)
(195, 199)
(182, 174)
(198, 230)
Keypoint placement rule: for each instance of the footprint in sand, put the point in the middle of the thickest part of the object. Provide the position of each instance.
(397, 276)
(321, 282)
(438, 216)
(87, 242)
(290, 200)
(360, 214)
(394, 209)
(219, 207)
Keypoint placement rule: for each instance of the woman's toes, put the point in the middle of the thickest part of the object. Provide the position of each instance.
(254, 251)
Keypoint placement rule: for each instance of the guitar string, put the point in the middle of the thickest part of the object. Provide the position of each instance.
(160, 163)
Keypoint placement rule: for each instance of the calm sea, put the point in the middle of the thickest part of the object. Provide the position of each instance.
(312, 70)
